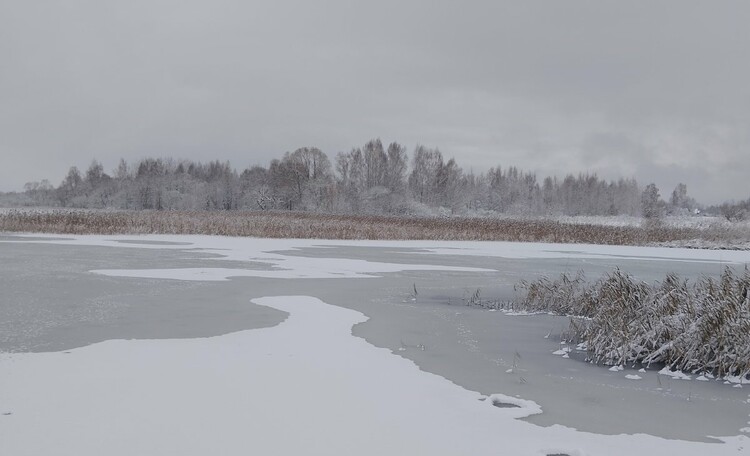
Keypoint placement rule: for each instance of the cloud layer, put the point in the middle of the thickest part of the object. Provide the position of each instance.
(656, 90)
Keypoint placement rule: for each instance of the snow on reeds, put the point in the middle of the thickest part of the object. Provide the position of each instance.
(331, 226)
(698, 327)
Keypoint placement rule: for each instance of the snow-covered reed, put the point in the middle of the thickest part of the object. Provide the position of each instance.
(699, 327)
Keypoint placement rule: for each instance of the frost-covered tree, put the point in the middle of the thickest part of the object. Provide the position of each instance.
(375, 164)
(735, 211)
(423, 178)
(303, 179)
(367, 179)
(680, 202)
(94, 174)
(97, 188)
(122, 172)
(371, 180)
(651, 206)
(626, 197)
(512, 190)
(396, 167)
(42, 193)
(449, 186)
(71, 187)
(255, 189)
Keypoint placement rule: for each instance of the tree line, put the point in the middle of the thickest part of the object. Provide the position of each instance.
(372, 179)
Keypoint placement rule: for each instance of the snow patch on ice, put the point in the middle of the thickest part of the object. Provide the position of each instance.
(255, 249)
(740, 380)
(532, 250)
(266, 252)
(676, 374)
(324, 269)
(521, 313)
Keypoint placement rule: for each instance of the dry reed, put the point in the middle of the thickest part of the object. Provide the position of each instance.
(699, 327)
(330, 226)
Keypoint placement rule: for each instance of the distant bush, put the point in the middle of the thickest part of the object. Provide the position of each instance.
(703, 326)
(736, 211)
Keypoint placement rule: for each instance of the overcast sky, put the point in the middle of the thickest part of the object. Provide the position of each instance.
(658, 90)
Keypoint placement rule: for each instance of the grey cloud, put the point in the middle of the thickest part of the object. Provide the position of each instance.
(613, 87)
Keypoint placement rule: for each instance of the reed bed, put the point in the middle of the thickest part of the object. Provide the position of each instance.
(332, 226)
(695, 327)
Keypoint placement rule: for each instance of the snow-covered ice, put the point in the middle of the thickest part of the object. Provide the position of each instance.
(306, 386)
(269, 250)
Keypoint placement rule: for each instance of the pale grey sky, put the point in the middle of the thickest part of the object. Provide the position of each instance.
(658, 90)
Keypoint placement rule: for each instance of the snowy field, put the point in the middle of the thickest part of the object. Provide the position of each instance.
(317, 381)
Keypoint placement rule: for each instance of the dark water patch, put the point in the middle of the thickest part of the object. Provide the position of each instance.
(500, 404)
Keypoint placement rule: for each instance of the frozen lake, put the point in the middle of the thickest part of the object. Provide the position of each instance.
(60, 293)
